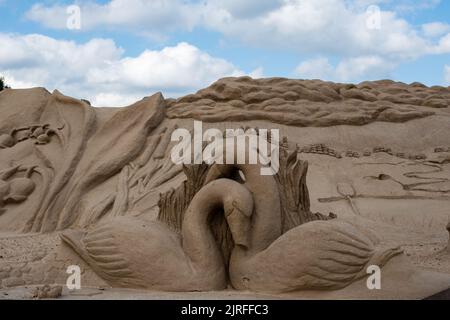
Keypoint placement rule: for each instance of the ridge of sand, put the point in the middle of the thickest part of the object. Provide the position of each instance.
(310, 103)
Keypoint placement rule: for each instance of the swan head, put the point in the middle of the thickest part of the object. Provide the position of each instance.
(238, 216)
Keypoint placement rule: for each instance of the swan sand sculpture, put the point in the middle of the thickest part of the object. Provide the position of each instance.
(134, 254)
(316, 255)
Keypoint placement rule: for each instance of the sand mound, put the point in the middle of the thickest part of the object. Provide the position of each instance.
(310, 103)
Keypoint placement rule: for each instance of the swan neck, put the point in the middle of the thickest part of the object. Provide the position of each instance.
(198, 241)
(266, 220)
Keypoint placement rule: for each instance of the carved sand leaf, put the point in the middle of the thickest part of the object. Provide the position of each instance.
(295, 202)
(115, 145)
(121, 201)
(75, 133)
(173, 204)
(100, 210)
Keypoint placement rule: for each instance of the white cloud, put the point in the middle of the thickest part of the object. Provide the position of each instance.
(407, 6)
(56, 63)
(328, 28)
(352, 69)
(435, 29)
(443, 46)
(364, 68)
(114, 99)
(157, 16)
(257, 73)
(248, 8)
(325, 26)
(322, 26)
(176, 68)
(319, 68)
(339, 29)
(98, 70)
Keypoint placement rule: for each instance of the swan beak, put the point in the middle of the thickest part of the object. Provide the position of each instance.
(241, 232)
(242, 241)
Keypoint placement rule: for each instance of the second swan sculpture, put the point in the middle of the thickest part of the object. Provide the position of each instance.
(132, 253)
(317, 255)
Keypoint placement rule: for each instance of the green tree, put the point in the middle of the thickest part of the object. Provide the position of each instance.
(3, 84)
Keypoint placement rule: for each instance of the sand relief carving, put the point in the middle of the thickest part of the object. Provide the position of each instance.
(232, 223)
(15, 190)
(309, 256)
(163, 259)
(39, 133)
(100, 186)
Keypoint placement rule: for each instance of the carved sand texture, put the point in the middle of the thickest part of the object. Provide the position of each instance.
(138, 180)
(173, 204)
(129, 253)
(291, 185)
(21, 107)
(117, 143)
(294, 194)
(309, 103)
(96, 187)
(77, 120)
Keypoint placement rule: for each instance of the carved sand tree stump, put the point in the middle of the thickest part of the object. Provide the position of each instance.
(173, 204)
(294, 194)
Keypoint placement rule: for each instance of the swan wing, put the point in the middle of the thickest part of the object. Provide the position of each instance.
(324, 255)
(129, 252)
(100, 249)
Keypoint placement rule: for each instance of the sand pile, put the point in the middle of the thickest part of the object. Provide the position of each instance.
(312, 103)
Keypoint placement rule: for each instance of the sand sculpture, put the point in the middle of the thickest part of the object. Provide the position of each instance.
(162, 259)
(363, 180)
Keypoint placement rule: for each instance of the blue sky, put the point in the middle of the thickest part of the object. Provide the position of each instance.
(126, 49)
